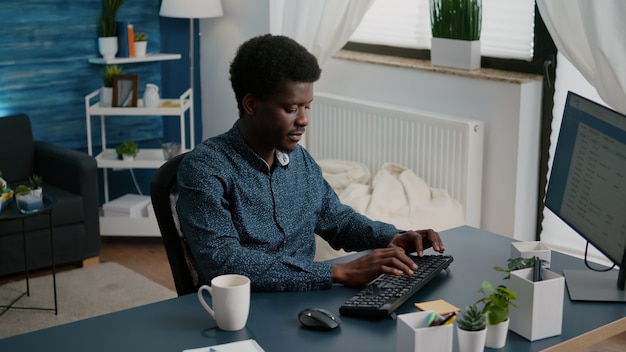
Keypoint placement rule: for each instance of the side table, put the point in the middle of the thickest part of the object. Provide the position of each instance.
(13, 213)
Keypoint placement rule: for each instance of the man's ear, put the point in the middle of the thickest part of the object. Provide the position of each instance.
(249, 104)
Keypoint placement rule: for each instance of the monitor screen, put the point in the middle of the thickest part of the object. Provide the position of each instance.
(587, 186)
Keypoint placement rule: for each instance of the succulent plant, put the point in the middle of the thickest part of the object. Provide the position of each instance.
(141, 37)
(472, 319)
(109, 72)
(36, 181)
(127, 147)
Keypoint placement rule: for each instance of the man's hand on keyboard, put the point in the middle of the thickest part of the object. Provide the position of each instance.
(417, 241)
(391, 260)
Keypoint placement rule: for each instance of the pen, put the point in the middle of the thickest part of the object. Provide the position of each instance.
(449, 319)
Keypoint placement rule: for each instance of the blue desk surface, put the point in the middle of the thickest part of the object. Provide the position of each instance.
(181, 323)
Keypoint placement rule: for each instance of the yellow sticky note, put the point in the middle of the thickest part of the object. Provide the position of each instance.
(439, 306)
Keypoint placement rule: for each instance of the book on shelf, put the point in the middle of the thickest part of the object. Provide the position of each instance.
(122, 39)
(131, 40)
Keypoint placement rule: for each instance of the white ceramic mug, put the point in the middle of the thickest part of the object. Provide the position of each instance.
(230, 295)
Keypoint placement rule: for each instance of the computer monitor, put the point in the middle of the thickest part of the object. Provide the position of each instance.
(587, 190)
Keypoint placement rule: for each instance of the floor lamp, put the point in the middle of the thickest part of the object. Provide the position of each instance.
(191, 9)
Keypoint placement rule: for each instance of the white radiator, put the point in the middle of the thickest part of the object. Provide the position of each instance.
(447, 152)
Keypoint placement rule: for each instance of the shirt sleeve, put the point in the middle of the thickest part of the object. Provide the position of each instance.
(344, 228)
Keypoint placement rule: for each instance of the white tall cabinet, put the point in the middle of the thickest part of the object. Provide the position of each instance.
(147, 158)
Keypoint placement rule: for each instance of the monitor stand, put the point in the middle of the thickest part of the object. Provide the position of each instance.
(587, 285)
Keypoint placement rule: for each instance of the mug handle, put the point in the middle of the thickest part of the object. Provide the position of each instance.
(203, 302)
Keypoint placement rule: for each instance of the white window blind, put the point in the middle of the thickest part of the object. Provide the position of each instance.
(507, 27)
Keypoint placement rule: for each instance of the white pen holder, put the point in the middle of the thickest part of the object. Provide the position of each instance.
(414, 335)
(540, 312)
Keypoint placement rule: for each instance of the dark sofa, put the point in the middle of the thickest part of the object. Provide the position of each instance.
(71, 178)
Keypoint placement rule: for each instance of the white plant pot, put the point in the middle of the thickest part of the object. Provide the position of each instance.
(106, 96)
(107, 47)
(455, 53)
(127, 157)
(140, 49)
(413, 335)
(529, 249)
(471, 341)
(540, 312)
(496, 334)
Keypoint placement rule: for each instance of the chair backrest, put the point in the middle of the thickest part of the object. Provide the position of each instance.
(164, 194)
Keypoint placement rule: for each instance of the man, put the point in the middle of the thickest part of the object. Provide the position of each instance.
(252, 198)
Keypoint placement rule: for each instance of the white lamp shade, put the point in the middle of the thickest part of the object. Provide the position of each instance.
(191, 8)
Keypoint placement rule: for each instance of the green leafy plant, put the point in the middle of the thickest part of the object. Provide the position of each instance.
(36, 181)
(141, 37)
(518, 264)
(496, 300)
(127, 147)
(107, 26)
(109, 72)
(456, 19)
(22, 188)
(472, 319)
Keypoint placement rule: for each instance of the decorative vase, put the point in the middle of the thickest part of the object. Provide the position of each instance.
(471, 341)
(151, 96)
(455, 53)
(106, 96)
(107, 47)
(496, 334)
(140, 48)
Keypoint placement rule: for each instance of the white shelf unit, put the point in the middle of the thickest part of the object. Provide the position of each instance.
(146, 158)
(129, 60)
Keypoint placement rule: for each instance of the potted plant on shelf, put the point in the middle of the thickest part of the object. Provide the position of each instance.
(141, 44)
(496, 300)
(107, 28)
(471, 329)
(106, 92)
(128, 150)
(456, 27)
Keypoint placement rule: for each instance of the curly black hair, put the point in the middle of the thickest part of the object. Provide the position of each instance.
(263, 63)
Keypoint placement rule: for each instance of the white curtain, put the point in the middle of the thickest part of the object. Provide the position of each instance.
(591, 62)
(590, 34)
(321, 26)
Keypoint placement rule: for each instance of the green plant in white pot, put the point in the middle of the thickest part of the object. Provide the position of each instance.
(106, 92)
(141, 44)
(456, 27)
(471, 329)
(127, 149)
(497, 301)
(107, 28)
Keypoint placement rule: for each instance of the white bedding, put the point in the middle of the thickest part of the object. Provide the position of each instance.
(395, 195)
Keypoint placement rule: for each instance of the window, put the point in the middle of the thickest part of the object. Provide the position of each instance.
(507, 27)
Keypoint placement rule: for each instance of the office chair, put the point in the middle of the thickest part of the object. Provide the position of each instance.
(164, 195)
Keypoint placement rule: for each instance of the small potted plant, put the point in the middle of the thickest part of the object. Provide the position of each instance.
(471, 329)
(106, 92)
(141, 44)
(128, 150)
(456, 27)
(36, 184)
(27, 201)
(107, 28)
(496, 300)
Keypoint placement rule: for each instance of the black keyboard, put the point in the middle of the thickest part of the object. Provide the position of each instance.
(382, 296)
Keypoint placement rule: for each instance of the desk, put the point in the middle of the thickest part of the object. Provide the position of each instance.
(181, 323)
(12, 212)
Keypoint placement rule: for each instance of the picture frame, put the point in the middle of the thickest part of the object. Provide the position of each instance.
(125, 90)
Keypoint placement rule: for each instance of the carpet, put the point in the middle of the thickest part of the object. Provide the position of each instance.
(81, 293)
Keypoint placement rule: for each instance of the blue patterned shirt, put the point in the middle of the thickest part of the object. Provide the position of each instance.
(240, 216)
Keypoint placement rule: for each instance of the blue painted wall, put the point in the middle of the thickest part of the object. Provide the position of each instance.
(44, 72)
